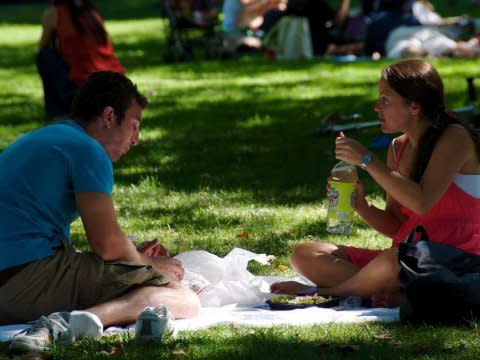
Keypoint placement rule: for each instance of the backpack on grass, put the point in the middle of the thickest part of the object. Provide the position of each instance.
(441, 282)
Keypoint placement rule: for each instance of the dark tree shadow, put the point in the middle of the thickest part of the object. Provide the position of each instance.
(29, 12)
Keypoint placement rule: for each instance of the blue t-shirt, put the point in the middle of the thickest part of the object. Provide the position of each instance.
(40, 174)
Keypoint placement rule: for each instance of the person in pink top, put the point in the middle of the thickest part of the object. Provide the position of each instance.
(432, 178)
(73, 45)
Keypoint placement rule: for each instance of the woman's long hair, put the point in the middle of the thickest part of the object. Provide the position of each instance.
(419, 82)
(84, 9)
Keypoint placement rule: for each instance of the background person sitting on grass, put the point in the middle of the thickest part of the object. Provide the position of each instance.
(54, 174)
(416, 41)
(431, 178)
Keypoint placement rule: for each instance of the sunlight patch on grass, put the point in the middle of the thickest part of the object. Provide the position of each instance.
(19, 35)
(256, 121)
(136, 29)
(152, 134)
(197, 90)
(133, 170)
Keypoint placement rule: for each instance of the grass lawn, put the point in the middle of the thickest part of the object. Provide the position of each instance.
(228, 158)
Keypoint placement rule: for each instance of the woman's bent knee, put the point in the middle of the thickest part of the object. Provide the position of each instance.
(311, 249)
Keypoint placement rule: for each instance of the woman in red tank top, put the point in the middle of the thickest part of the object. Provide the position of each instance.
(420, 181)
(73, 44)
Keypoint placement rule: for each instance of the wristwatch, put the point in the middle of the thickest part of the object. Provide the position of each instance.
(366, 159)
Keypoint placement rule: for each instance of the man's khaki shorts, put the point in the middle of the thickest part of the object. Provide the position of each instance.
(69, 281)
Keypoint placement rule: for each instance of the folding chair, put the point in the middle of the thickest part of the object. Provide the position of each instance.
(190, 23)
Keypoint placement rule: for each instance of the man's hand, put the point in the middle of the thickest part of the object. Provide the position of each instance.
(152, 248)
(169, 266)
(161, 260)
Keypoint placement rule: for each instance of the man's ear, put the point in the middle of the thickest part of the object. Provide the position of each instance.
(108, 117)
(415, 109)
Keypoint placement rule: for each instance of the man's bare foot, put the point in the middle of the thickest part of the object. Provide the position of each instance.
(288, 287)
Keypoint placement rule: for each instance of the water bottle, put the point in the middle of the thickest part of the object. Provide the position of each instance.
(341, 191)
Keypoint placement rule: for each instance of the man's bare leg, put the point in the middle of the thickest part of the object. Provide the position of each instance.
(324, 264)
(179, 300)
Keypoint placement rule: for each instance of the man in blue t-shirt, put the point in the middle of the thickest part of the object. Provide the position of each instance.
(49, 177)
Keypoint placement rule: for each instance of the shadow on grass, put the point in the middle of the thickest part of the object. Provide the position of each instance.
(225, 135)
(264, 147)
(380, 341)
(20, 110)
(262, 346)
(30, 12)
(385, 341)
(17, 57)
(267, 148)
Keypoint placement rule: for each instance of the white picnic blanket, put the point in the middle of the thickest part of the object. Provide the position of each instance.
(264, 317)
(260, 316)
(230, 295)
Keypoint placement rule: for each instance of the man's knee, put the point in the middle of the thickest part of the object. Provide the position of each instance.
(190, 301)
(187, 303)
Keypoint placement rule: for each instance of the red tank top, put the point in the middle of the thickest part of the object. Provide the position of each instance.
(83, 52)
(454, 220)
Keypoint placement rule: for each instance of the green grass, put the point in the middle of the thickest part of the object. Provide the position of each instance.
(228, 158)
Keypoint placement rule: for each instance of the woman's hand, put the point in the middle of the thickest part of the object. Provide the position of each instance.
(360, 202)
(349, 150)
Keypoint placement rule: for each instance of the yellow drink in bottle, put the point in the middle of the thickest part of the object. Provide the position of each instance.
(341, 198)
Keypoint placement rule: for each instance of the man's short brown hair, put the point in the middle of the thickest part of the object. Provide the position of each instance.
(102, 89)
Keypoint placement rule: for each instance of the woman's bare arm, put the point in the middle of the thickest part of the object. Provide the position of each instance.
(448, 159)
(386, 221)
